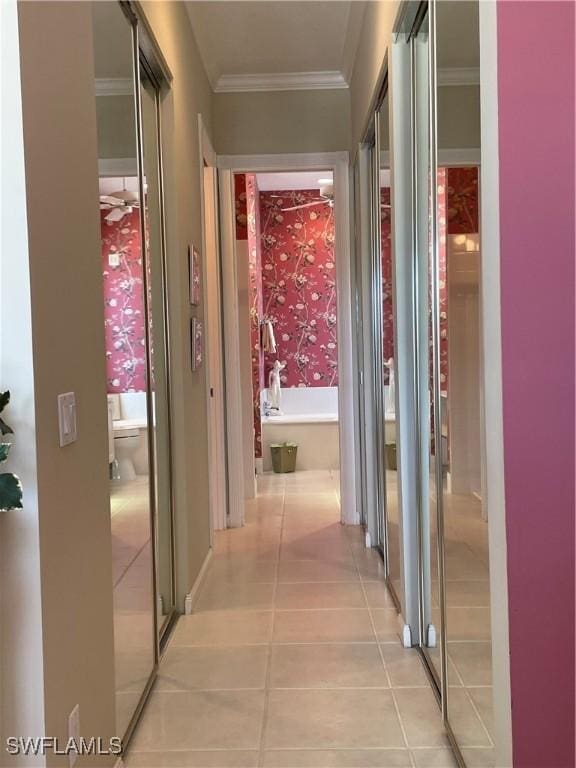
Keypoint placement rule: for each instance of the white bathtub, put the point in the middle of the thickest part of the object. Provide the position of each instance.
(309, 418)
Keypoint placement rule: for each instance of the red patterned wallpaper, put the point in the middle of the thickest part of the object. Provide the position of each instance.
(256, 303)
(299, 287)
(124, 318)
(462, 200)
(387, 295)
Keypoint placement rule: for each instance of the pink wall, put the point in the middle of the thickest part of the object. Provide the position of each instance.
(299, 287)
(124, 304)
(256, 302)
(536, 136)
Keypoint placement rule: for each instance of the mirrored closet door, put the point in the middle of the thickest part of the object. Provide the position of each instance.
(136, 338)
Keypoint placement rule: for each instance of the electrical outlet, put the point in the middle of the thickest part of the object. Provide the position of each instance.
(113, 259)
(74, 733)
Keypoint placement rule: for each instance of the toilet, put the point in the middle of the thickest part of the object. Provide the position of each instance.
(129, 428)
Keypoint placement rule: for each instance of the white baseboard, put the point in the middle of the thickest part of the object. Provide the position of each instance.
(190, 598)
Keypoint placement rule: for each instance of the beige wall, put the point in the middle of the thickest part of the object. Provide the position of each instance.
(64, 656)
(375, 37)
(282, 121)
(60, 143)
(189, 95)
(459, 117)
(116, 129)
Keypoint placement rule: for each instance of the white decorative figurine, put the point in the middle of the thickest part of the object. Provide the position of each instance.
(275, 387)
(390, 401)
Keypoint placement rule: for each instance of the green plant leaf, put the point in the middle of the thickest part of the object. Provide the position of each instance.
(4, 399)
(4, 451)
(10, 492)
(5, 429)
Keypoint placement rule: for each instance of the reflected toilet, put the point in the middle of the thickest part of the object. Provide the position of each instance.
(129, 428)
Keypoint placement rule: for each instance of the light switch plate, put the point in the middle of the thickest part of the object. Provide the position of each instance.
(67, 418)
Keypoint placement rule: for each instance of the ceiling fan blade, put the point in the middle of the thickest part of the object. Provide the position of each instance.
(306, 205)
(111, 200)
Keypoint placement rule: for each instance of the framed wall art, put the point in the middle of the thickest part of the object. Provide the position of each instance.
(197, 343)
(194, 274)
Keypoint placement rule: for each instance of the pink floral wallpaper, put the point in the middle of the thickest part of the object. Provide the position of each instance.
(387, 295)
(299, 287)
(256, 302)
(442, 194)
(462, 200)
(124, 317)
(240, 205)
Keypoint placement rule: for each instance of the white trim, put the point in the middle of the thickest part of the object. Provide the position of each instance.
(492, 353)
(190, 598)
(213, 351)
(281, 81)
(338, 163)
(353, 33)
(117, 166)
(114, 86)
(233, 384)
(459, 76)
(453, 157)
(321, 161)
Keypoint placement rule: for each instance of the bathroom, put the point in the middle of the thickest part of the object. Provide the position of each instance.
(287, 283)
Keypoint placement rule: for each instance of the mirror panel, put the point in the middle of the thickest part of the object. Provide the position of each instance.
(158, 331)
(430, 600)
(124, 285)
(388, 354)
(466, 569)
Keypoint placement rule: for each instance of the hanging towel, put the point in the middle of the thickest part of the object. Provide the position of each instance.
(268, 340)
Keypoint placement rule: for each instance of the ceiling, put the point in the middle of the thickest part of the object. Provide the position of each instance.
(281, 182)
(316, 40)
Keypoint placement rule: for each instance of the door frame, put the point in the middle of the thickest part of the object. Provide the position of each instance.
(212, 298)
(338, 164)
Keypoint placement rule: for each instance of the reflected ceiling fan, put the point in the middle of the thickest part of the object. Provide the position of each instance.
(119, 203)
(326, 198)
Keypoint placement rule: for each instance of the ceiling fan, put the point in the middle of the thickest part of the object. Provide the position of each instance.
(326, 198)
(119, 204)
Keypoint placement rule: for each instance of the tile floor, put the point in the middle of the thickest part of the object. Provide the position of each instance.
(292, 657)
(133, 597)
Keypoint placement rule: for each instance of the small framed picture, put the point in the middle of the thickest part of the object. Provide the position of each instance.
(194, 275)
(197, 343)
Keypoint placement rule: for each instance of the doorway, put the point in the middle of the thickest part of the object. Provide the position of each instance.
(303, 257)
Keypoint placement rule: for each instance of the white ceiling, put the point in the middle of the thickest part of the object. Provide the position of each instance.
(294, 44)
(276, 37)
(281, 182)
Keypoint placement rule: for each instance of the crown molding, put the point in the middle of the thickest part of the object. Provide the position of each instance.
(114, 86)
(283, 81)
(459, 76)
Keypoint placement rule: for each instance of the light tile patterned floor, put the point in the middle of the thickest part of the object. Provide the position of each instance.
(292, 656)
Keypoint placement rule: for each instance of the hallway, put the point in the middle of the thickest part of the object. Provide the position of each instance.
(292, 656)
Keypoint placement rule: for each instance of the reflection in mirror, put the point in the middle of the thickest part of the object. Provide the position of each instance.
(158, 346)
(126, 358)
(388, 356)
(467, 587)
(430, 587)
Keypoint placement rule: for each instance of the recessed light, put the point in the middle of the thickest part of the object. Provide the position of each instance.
(324, 181)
